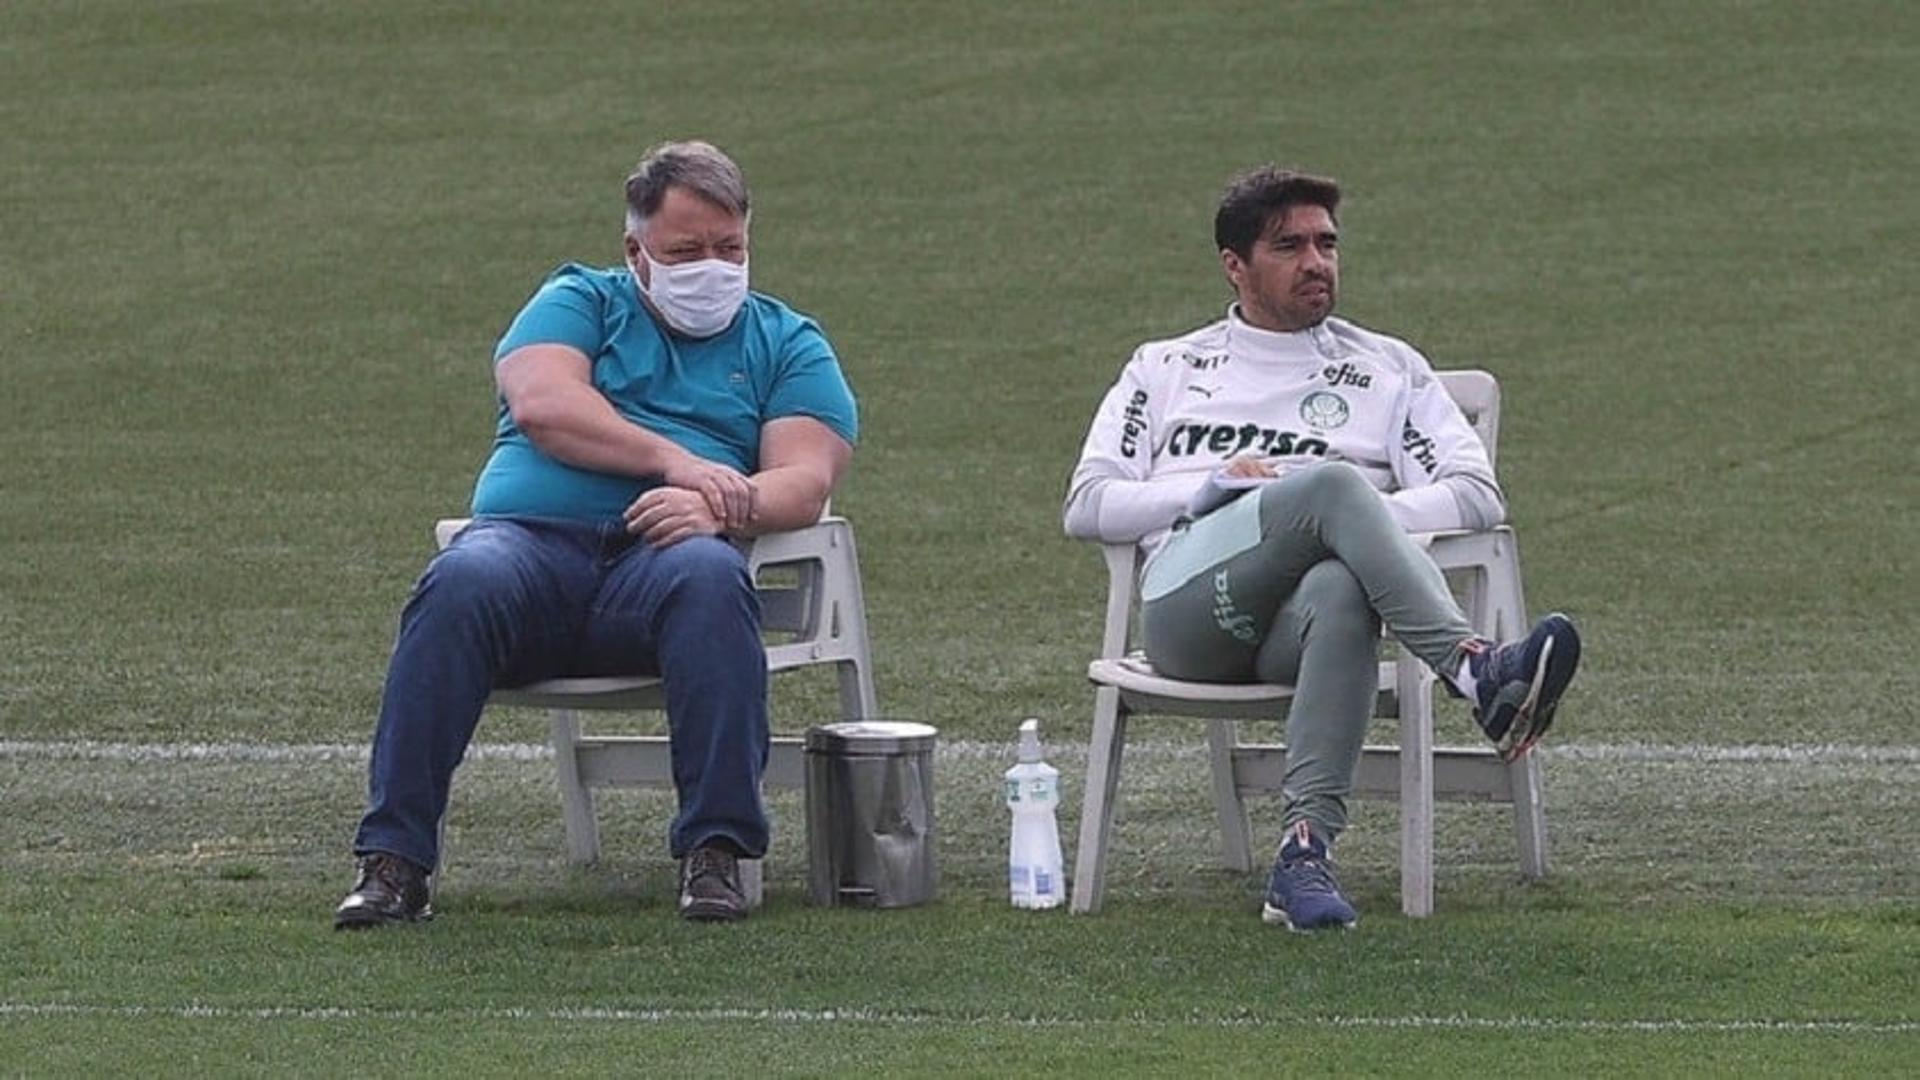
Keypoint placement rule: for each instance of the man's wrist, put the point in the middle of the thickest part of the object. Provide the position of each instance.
(667, 459)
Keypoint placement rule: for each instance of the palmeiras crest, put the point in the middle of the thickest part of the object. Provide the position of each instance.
(1324, 410)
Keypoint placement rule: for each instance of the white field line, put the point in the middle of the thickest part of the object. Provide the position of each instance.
(230, 752)
(883, 1017)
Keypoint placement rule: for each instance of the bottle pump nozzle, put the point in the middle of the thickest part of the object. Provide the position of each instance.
(1029, 740)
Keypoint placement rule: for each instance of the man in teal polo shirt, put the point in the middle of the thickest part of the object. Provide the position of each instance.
(649, 415)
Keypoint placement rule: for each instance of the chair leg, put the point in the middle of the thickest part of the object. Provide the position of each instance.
(1096, 810)
(857, 700)
(753, 881)
(1530, 815)
(1236, 837)
(849, 612)
(1484, 610)
(1505, 591)
(576, 802)
(1414, 687)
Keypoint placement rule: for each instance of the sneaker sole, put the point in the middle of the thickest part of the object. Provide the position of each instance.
(715, 912)
(1274, 916)
(1558, 660)
(367, 920)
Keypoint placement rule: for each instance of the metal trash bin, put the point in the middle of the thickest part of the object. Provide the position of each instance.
(870, 814)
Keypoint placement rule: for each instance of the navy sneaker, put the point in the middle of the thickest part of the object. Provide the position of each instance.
(1301, 894)
(1518, 685)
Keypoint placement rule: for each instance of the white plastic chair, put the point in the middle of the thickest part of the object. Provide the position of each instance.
(1483, 565)
(816, 602)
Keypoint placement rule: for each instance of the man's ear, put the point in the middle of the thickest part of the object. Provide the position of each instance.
(636, 261)
(1234, 266)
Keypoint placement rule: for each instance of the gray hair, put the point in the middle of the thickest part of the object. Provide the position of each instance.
(697, 166)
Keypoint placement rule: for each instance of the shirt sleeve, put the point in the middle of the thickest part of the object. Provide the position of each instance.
(1444, 478)
(811, 384)
(1113, 496)
(566, 310)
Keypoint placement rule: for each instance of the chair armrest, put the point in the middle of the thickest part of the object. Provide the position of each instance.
(446, 529)
(795, 545)
(826, 612)
(1496, 603)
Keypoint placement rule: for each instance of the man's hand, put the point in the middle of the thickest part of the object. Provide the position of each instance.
(664, 516)
(1248, 465)
(728, 494)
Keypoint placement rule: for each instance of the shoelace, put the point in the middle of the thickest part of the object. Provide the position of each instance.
(389, 873)
(1309, 873)
(706, 862)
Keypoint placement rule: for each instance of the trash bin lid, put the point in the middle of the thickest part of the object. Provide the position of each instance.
(872, 737)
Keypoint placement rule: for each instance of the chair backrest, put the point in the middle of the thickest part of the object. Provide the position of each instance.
(1476, 392)
(1478, 395)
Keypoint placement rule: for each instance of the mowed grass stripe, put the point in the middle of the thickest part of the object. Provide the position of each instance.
(162, 752)
(882, 1016)
(444, 1046)
(1628, 826)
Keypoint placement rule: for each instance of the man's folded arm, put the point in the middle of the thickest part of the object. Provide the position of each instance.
(1452, 502)
(1118, 509)
(801, 459)
(550, 393)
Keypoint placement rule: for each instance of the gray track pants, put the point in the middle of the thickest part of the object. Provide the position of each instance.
(1289, 584)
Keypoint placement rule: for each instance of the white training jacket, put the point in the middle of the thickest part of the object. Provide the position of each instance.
(1336, 391)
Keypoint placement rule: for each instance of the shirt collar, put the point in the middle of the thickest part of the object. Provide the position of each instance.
(1316, 342)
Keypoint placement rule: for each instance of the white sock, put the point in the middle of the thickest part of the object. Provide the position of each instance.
(1462, 677)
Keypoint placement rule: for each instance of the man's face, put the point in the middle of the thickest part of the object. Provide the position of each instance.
(1291, 277)
(688, 228)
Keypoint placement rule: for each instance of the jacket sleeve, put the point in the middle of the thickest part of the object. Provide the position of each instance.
(1440, 466)
(1113, 496)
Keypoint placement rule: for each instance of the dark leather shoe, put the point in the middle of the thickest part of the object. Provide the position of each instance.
(710, 886)
(390, 889)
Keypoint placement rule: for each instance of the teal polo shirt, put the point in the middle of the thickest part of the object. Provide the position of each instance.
(711, 396)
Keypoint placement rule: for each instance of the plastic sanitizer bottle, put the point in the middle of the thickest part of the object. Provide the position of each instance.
(1033, 854)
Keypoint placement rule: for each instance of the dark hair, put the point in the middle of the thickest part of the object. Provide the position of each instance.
(1256, 197)
(697, 166)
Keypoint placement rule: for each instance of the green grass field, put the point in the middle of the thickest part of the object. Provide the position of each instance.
(255, 259)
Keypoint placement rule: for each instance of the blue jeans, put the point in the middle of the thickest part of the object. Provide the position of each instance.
(516, 600)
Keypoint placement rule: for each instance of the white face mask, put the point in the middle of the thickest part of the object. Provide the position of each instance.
(699, 298)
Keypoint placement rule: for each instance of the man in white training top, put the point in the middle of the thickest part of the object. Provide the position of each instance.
(1271, 465)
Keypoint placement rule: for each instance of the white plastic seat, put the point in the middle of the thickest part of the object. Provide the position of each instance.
(1484, 566)
(817, 614)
